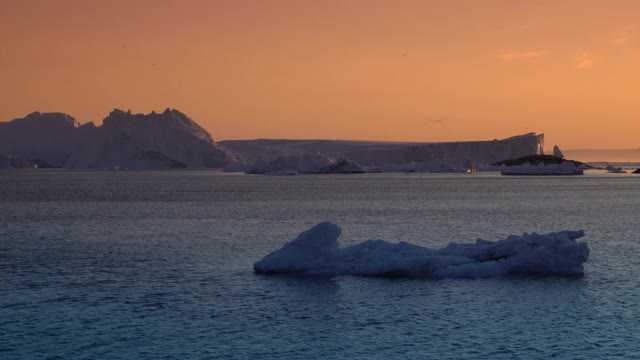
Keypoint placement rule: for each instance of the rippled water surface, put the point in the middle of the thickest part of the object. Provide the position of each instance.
(158, 264)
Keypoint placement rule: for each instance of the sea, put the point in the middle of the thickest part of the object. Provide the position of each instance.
(158, 265)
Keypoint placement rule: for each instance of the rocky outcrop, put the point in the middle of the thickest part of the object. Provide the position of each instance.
(540, 159)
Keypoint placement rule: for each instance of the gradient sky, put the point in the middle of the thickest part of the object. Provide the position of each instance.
(379, 70)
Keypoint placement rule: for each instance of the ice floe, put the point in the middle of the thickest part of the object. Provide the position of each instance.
(317, 251)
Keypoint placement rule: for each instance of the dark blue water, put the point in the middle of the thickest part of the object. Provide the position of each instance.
(131, 265)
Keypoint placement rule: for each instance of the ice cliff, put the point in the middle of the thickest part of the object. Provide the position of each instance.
(173, 140)
(44, 138)
(372, 153)
(317, 251)
(156, 140)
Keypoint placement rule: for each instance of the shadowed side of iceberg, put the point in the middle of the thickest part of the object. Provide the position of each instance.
(311, 249)
(317, 251)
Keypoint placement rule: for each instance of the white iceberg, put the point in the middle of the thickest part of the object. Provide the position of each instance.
(615, 170)
(317, 251)
(566, 168)
(557, 152)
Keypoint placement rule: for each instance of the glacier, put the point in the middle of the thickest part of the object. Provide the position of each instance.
(318, 252)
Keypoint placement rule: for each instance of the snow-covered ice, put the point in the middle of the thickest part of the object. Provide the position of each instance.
(566, 168)
(317, 251)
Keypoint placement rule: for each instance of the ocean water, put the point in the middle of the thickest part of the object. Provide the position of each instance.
(158, 264)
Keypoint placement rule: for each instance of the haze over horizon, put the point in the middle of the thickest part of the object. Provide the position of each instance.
(359, 70)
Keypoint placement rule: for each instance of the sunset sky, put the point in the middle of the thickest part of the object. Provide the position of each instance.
(378, 70)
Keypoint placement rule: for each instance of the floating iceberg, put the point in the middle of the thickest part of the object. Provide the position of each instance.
(434, 166)
(302, 164)
(306, 164)
(566, 168)
(615, 170)
(557, 152)
(316, 251)
(377, 153)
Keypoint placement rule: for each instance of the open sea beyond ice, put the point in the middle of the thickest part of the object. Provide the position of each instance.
(158, 264)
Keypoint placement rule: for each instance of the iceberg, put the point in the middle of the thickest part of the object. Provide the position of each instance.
(615, 170)
(302, 164)
(435, 166)
(377, 153)
(306, 164)
(136, 141)
(557, 152)
(10, 162)
(317, 251)
(566, 168)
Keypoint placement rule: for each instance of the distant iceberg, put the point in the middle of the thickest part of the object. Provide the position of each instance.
(317, 251)
(164, 140)
(376, 153)
(615, 170)
(434, 166)
(306, 164)
(566, 168)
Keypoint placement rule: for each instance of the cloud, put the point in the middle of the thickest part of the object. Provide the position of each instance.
(622, 39)
(625, 35)
(521, 55)
(585, 60)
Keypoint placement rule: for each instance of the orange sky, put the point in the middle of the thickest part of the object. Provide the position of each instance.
(381, 70)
